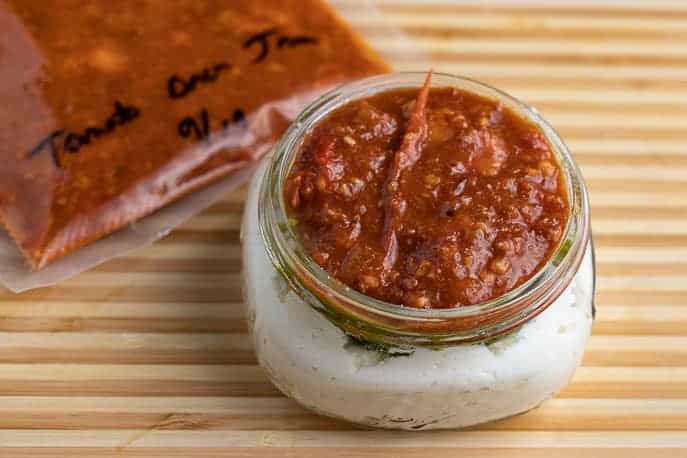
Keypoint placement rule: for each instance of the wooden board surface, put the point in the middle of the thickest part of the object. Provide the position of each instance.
(147, 355)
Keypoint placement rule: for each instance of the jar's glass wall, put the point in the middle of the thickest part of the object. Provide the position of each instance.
(382, 322)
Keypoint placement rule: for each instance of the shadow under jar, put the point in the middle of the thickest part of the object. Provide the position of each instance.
(348, 355)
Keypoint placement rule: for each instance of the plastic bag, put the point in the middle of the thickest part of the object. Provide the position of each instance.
(122, 119)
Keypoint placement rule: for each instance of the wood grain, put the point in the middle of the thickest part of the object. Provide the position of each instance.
(148, 355)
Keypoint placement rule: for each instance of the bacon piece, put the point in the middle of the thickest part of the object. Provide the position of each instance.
(404, 158)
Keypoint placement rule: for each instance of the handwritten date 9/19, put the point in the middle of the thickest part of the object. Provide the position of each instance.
(200, 126)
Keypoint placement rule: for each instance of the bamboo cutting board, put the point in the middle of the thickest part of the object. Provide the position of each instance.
(147, 355)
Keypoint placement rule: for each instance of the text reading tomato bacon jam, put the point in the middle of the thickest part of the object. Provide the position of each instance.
(430, 198)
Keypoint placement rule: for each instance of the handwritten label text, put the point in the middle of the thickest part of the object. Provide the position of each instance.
(73, 141)
(199, 127)
(262, 40)
(177, 87)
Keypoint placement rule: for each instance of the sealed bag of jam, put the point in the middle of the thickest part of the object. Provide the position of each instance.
(121, 119)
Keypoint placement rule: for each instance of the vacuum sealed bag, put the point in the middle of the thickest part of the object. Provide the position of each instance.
(112, 111)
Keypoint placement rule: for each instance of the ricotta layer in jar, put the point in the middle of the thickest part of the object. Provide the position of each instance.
(411, 366)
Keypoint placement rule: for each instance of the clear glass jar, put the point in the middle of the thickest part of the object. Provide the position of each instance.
(347, 355)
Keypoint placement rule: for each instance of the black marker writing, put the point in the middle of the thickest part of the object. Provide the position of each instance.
(72, 142)
(261, 39)
(48, 142)
(238, 117)
(190, 126)
(62, 140)
(177, 87)
(199, 126)
(296, 40)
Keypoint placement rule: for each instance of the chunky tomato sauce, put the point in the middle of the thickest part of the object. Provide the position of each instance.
(431, 198)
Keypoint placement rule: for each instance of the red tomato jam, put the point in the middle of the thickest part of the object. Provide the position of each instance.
(430, 198)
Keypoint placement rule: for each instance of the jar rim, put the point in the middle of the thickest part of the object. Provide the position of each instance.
(276, 230)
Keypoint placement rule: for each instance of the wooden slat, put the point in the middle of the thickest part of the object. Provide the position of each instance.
(147, 355)
(313, 439)
(344, 452)
(247, 413)
(249, 380)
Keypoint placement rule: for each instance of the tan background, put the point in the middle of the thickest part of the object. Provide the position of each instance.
(148, 356)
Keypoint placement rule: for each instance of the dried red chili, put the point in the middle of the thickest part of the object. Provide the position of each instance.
(407, 155)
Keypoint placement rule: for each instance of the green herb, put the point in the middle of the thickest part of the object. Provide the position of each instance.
(498, 344)
(384, 351)
(281, 286)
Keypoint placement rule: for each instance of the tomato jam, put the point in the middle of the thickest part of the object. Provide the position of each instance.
(430, 198)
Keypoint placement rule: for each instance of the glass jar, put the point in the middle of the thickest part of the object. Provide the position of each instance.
(347, 355)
